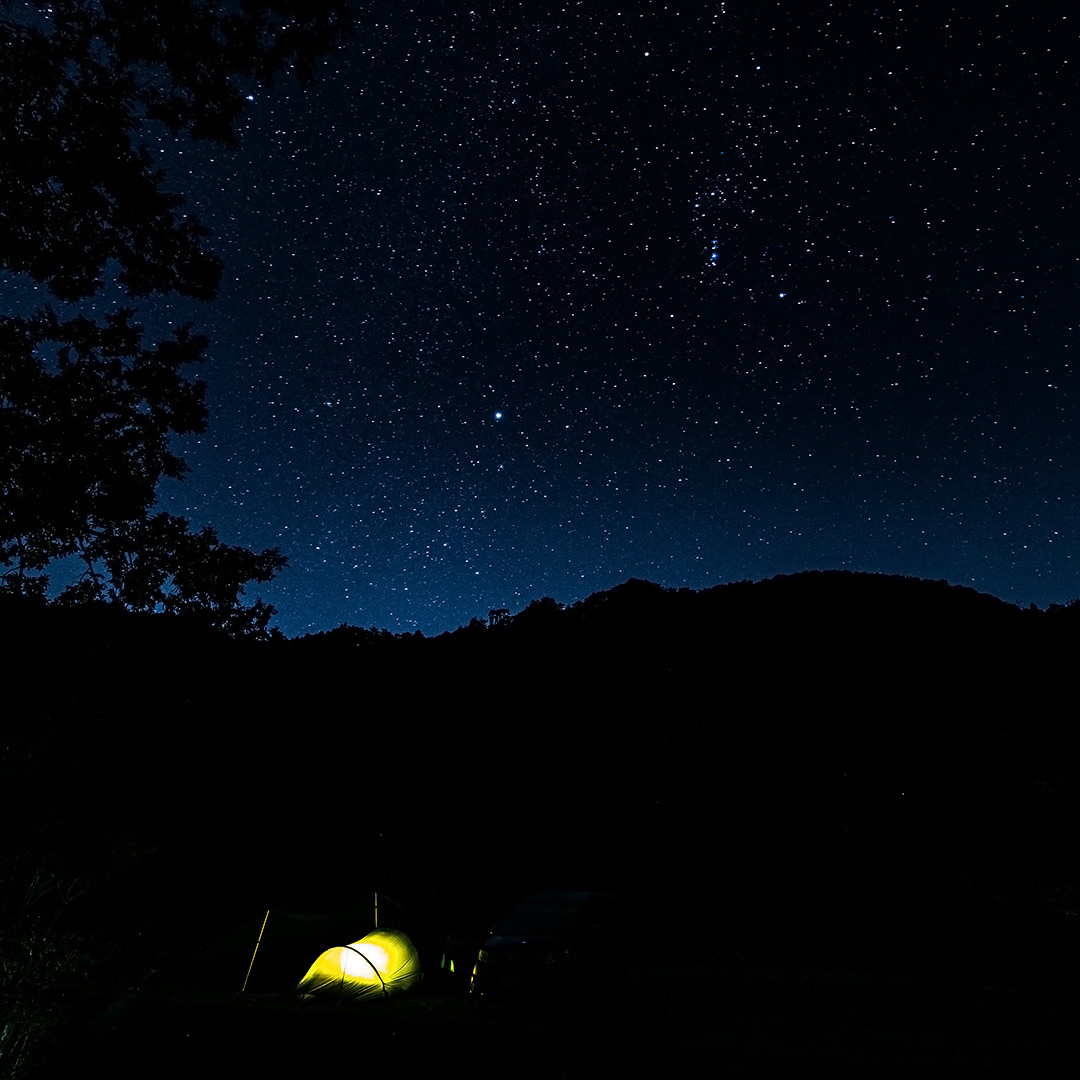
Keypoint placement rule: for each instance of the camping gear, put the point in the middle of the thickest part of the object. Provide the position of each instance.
(380, 964)
(550, 941)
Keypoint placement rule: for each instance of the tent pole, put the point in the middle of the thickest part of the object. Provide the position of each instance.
(257, 944)
(376, 911)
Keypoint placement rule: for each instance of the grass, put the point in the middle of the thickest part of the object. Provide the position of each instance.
(743, 1019)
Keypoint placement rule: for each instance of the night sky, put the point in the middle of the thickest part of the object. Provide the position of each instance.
(526, 299)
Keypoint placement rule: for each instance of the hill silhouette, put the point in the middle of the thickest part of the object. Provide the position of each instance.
(812, 758)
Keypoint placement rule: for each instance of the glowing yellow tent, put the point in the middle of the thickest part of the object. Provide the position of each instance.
(381, 963)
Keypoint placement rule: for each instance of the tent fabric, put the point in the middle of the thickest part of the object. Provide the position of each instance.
(380, 964)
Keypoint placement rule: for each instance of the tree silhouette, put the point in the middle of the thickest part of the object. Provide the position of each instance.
(86, 408)
(88, 431)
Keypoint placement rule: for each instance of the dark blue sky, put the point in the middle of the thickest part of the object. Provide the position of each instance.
(524, 300)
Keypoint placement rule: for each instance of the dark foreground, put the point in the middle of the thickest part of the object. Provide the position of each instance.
(842, 808)
(745, 1021)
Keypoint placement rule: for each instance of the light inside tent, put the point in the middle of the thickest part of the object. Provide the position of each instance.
(358, 960)
(381, 963)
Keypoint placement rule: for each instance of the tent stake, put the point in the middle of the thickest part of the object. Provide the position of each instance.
(257, 944)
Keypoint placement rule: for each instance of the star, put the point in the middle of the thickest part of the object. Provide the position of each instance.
(401, 241)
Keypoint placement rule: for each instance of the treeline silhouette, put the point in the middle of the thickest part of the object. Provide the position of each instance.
(851, 763)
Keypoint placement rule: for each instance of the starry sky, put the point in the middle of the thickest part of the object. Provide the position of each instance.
(525, 299)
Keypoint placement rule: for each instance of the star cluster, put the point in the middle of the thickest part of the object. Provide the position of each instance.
(525, 301)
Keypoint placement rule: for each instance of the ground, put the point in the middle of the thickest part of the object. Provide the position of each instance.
(746, 1020)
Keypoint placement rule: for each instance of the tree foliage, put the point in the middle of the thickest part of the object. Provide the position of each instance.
(37, 956)
(88, 412)
(87, 408)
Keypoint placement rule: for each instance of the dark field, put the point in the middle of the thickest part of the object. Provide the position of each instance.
(841, 810)
(733, 1020)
